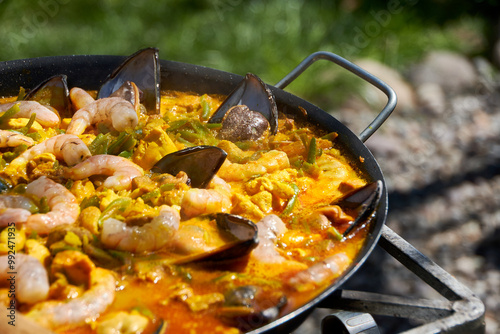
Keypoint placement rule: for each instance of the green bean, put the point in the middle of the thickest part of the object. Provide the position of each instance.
(311, 155)
(291, 203)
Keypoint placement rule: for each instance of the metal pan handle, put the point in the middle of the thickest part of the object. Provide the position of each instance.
(391, 95)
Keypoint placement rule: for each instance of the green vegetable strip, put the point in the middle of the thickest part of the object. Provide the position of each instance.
(213, 125)
(114, 146)
(24, 130)
(292, 201)
(99, 145)
(205, 114)
(311, 155)
(118, 205)
(90, 201)
(8, 114)
(44, 206)
(175, 125)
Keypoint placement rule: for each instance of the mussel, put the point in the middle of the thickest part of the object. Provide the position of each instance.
(247, 112)
(130, 92)
(200, 163)
(248, 307)
(241, 234)
(365, 201)
(53, 93)
(141, 68)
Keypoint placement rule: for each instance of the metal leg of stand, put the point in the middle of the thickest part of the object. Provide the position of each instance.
(462, 312)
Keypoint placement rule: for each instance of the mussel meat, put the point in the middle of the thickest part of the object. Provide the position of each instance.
(130, 92)
(241, 234)
(248, 307)
(365, 201)
(247, 112)
(142, 68)
(200, 163)
(52, 93)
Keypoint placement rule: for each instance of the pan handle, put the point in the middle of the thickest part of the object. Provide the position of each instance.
(391, 95)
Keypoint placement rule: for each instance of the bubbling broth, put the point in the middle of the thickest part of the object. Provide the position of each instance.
(119, 246)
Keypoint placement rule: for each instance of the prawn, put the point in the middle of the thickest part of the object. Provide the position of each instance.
(198, 201)
(80, 98)
(66, 147)
(31, 278)
(44, 115)
(64, 208)
(12, 139)
(93, 302)
(320, 272)
(113, 111)
(120, 170)
(268, 230)
(149, 237)
(269, 162)
(15, 209)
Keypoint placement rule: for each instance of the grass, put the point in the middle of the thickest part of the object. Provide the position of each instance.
(267, 38)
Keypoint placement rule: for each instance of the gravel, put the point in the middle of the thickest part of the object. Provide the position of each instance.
(441, 161)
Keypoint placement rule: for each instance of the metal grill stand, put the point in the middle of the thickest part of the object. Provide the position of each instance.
(461, 312)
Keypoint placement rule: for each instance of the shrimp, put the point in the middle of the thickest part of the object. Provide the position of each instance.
(64, 208)
(44, 115)
(198, 201)
(113, 111)
(120, 170)
(93, 302)
(12, 139)
(269, 228)
(31, 278)
(149, 237)
(69, 148)
(320, 273)
(15, 209)
(80, 98)
(269, 162)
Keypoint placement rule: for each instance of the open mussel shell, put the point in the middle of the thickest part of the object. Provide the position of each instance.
(242, 239)
(53, 92)
(200, 163)
(253, 95)
(142, 68)
(248, 307)
(365, 200)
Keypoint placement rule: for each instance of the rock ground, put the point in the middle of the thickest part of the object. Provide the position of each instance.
(440, 155)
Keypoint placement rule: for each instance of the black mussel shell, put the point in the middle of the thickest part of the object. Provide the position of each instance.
(200, 163)
(254, 94)
(242, 239)
(130, 92)
(53, 92)
(249, 307)
(142, 68)
(365, 200)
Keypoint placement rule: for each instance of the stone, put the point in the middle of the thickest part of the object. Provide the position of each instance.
(452, 71)
(404, 92)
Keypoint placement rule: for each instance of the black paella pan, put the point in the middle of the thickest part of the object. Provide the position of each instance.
(90, 71)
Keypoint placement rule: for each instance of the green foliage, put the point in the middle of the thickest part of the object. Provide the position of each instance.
(267, 38)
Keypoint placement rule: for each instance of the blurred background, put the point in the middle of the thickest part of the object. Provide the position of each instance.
(440, 150)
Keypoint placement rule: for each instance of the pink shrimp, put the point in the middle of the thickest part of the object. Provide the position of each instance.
(64, 208)
(198, 201)
(148, 237)
(31, 279)
(65, 147)
(112, 111)
(12, 139)
(120, 170)
(80, 98)
(44, 116)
